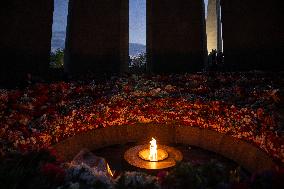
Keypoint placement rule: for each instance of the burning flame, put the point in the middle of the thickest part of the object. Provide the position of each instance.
(153, 156)
(109, 171)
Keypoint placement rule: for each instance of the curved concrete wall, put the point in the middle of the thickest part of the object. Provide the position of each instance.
(247, 155)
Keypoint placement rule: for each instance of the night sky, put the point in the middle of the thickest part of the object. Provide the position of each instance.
(137, 21)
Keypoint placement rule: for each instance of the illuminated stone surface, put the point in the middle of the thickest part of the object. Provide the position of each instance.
(228, 146)
(132, 157)
(213, 26)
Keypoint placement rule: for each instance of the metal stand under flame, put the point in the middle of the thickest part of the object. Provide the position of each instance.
(152, 157)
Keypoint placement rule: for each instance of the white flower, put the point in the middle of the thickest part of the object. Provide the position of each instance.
(88, 175)
(139, 179)
(74, 185)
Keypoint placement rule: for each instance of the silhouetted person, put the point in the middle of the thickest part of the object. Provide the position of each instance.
(220, 58)
(213, 58)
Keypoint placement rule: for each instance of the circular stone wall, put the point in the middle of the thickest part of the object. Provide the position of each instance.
(247, 155)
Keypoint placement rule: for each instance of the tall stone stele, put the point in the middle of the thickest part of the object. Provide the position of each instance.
(253, 34)
(25, 39)
(213, 26)
(97, 36)
(175, 36)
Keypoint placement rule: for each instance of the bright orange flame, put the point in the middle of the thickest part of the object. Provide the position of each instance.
(153, 156)
(110, 171)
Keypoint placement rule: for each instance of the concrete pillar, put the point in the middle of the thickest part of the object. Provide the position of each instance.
(213, 26)
(175, 35)
(97, 36)
(25, 38)
(253, 34)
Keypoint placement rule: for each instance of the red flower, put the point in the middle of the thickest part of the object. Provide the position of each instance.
(161, 176)
(23, 148)
(260, 113)
(54, 153)
(53, 172)
(14, 95)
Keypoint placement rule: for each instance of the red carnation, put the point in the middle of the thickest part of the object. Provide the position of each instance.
(53, 172)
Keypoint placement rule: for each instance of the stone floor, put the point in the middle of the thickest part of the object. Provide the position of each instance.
(114, 156)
